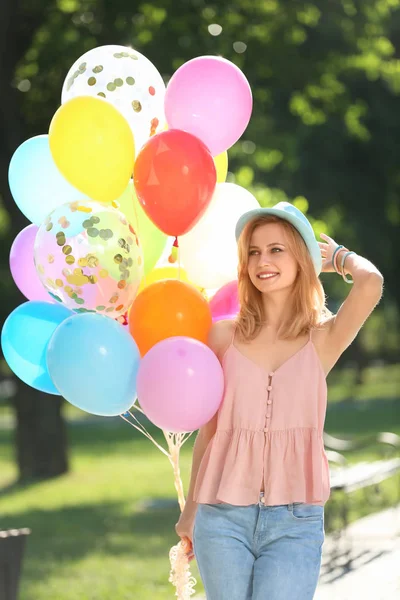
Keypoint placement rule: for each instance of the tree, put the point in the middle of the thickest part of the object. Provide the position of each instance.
(325, 80)
(40, 432)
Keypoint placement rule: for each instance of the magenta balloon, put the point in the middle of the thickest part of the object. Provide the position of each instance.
(225, 303)
(23, 268)
(180, 384)
(211, 98)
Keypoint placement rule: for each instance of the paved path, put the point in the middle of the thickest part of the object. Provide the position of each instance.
(375, 572)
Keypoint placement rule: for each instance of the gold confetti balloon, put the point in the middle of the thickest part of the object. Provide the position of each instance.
(88, 257)
(126, 79)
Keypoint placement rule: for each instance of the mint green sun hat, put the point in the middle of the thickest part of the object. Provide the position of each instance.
(288, 212)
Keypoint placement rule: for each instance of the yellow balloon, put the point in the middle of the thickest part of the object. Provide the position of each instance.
(221, 164)
(92, 145)
(160, 273)
(151, 238)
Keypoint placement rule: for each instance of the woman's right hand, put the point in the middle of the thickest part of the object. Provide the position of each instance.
(184, 528)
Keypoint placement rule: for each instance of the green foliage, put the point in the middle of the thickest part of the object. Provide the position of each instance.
(325, 79)
(4, 219)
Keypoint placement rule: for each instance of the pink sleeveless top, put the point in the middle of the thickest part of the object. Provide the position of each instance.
(269, 430)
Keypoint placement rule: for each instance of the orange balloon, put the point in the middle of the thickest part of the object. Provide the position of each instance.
(168, 308)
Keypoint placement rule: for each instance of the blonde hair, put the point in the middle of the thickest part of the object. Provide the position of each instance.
(309, 308)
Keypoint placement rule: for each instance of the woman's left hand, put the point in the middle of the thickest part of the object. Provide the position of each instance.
(327, 250)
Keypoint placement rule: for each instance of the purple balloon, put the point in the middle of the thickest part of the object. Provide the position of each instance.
(180, 384)
(211, 98)
(23, 268)
(225, 303)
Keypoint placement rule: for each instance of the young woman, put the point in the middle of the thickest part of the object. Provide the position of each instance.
(254, 516)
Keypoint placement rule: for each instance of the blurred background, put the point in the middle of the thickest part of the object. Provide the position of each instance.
(324, 134)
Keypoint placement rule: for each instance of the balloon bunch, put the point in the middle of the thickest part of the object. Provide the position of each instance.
(128, 167)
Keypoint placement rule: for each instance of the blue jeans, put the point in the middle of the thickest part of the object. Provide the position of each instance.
(259, 552)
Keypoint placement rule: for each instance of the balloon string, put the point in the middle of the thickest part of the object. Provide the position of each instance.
(145, 433)
(141, 424)
(174, 449)
(176, 245)
(175, 442)
(137, 225)
(180, 437)
(180, 575)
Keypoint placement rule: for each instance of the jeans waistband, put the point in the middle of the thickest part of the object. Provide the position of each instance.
(262, 505)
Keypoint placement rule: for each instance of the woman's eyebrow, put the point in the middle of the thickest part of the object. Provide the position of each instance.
(272, 244)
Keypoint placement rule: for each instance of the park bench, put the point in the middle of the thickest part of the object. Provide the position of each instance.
(347, 478)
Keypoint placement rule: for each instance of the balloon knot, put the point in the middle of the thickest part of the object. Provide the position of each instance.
(176, 243)
(123, 319)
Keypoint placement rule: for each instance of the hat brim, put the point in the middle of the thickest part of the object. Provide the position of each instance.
(304, 228)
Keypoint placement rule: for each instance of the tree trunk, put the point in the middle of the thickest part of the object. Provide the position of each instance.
(41, 443)
(40, 435)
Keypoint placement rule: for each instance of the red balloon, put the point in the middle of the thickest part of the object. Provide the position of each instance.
(174, 178)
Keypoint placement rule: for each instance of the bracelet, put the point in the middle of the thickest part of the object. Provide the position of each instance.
(343, 249)
(342, 267)
(333, 258)
(336, 267)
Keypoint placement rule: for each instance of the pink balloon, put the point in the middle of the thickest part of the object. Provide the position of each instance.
(211, 98)
(23, 268)
(180, 384)
(225, 303)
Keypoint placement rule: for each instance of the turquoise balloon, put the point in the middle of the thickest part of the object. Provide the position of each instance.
(36, 184)
(24, 340)
(94, 363)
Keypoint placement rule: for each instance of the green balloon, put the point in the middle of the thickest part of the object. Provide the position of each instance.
(151, 238)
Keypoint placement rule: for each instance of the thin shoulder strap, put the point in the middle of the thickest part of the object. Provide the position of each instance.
(310, 334)
(231, 341)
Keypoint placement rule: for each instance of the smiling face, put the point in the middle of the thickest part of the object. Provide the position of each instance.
(271, 264)
(267, 246)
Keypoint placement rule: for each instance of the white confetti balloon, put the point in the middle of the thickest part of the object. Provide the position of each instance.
(125, 78)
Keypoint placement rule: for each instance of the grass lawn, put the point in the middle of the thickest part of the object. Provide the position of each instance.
(93, 538)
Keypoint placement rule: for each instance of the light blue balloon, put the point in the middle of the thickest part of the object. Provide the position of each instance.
(68, 220)
(24, 340)
(36, 184)
(94, 363)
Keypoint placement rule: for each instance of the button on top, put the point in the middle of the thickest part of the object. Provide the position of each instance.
(269, 401)
(271, 374)
(269, 388)
(263, 500)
